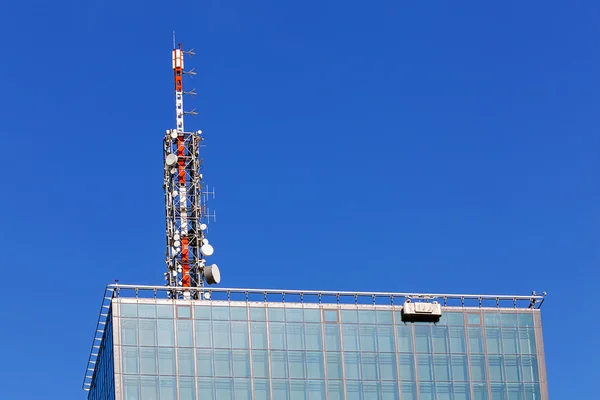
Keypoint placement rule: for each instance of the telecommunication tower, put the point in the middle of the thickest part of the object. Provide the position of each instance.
(186, 196)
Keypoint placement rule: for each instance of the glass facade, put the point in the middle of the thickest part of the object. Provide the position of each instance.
(177, 349)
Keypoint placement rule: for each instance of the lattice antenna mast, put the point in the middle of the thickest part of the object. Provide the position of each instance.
(185, 201)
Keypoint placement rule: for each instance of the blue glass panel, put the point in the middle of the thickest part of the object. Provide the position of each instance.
(427, 391)
(350, 335)
(262, 389)
(128, 310)
(405, 341)
(242, 389)
(475, 340)
(295, 336)
(527, 340)
(164, 311)
(349, 316)
(385, 317)
(223, 363)
(166, 361)
(276, 314)
(512, 368)
(514, 391)
(297, 390)
(147, 310)
(224, 389)
(441, 364)
(130, 360)
(508, 319)
(277, 335)
(314, 365)
(492, 339)
(220, 313)
(387, 367)
(367, 317)
(478, 368)
(259, 335)
(260, 363)
(368, 337)
(480, 391)
(316, 390)
(221, 334)
(129, 331)
(423, 338)
(186, 361)
(168, 388)
(312, 315)
(293, 315)
(281, 389)
(526, 320)
(187, 389)
(462, 391)
(202, 312)
(460, 371)
(443, 391)
(510, 341)
(457, 339)
(389, 391)
(147, 332)
(314, 341)
(439, 335)
(166, 332)
(184, 312)
(491, 319)
(385, 339)
(257, 314)
(203, 333)
(371, 391)
(498, 391)
(241, 363)
(149, 388)
(474, 319)
(352, 365)
(409, 391)
(332, 338)
(425, 367)
(532, 391)
(335, 390)
(206, 389)
(204, 360)
(239, 335)
(334, 365)
(330, 315)
(354, 391)
(131, 387)
(296, 364)
(529, 368)
(279, 368)
(455, 318)
(184, 333)
(368, 365)
(495, 365)
(239, 313)
(407, 367)
(148, 361)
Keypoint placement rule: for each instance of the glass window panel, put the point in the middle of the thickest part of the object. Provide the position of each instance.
(457, 339)
(367, 317)
(508, 319)
(335, 390)
(186, 361)
(510, 341)
(385, 339)
(440, 340)
(149, 388)
(314, 341)
(474, 319)
(147, 311)
(498, 391)
(389, 391)
(462, 392)
(297, 390)
(296, 364)
(492, 339)
(224, 389)
(427, 391)
(132, 387)
(295, 336)
(312, 315)
(368, 365)
(527, 340)
(352, 365)
(184, 312)
(496, 368)
(371, 390)
(147, 332)
(423, 338)
(441, 364)
(455, 318)
(405, 342)
(242, 389)
(368, 337)
(514, 391)
(277, 335)
(330, 315)
(279, 365)
(387, 366)
(532, 392)
(443, 391)
(203, 333)
(407, 367)
(184, 333)
(164, 311)
(476, 340)
(220, 313)
(332, 338)
(526, 320)
(221, 334)
(480, 391)
(529, 369)
(349, 316)
(478, 368)
(350, 335)
(148, 361)
(128, 310)
(491, 319)
(353, 391)
(314, 365)
(276, 314)
(202, 312)
(257, 314)
(316, 390)
(129, 331)
(259, 335)
(281, 389)
(204, 361)
(241, 363)
(166, 333)
(168, 388)
(409, 391)
(239, 313)
(130, 360)
(385, 317)
(425, 367)
(166, 361)
(262, 389)
(260, 363)
(459, 368)
(293, 315)
(206, 389)
(512, 368)
(239, 335)
(223, 363)
(334, 365)
(187, 390)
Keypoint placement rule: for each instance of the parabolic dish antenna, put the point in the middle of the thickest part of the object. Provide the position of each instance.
(207, 250)
(171, 159)
(212, 274)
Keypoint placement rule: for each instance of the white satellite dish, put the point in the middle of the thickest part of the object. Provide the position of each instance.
(177, 243)
(204, 241)
(176, 236)
(171, 159)
(207, 295)
(174, 134)
(203, 227)
(207, 250)
(212, 274)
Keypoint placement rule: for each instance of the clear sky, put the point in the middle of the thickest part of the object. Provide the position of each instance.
(435, 146)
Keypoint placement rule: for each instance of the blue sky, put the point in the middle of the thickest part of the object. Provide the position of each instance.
(343, 137)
